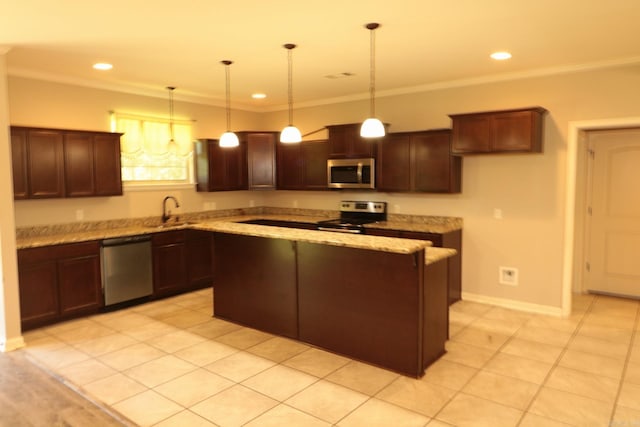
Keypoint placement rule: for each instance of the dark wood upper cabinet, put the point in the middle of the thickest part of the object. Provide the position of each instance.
(107, 170)
(79, 164)
(45, 164)
(19, 163)
(345, 142)
(509, 131)
(220, 168)
(261, 158)
(64, 163)
(418, 162)
(302, 166)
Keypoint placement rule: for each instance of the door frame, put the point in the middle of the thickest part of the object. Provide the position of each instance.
(575, 202)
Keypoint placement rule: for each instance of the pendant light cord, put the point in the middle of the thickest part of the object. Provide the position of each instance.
(228, 93)
(290, 80)
(171, 89)
(372, 72)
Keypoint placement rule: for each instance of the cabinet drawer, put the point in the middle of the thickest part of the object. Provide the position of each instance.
(168, 237)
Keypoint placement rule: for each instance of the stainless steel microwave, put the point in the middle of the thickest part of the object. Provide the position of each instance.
(351, 173)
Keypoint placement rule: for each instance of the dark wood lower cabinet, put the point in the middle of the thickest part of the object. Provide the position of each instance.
(182, 261)
(451, 239)
(255, 283)
(383, 308)
(59, 282)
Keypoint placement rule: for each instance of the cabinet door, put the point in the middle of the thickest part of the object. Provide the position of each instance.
(169, 262)
(472, 134)
(513, 132)
(261, 155)
(38, 290)
(78, 165)
(314, 158)
(345, 142)
(19, 163)
(236, 168)
(107, 171)
(289, 167)
(199, 250)
(435, 170)
(45, 164)
(79, 285)
(393, 165)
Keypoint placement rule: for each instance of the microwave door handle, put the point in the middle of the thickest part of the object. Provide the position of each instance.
(359, 172)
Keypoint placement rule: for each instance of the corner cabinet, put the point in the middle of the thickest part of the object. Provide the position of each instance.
(508, 131)
(59, 282)
(50, 163)
(220, 168)
(418, 162)
(345, 142)
(182, 261)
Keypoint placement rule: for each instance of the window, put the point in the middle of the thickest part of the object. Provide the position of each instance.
(149, 155)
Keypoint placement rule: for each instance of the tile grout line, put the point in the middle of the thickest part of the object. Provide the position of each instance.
(626, 364)
(555, 364)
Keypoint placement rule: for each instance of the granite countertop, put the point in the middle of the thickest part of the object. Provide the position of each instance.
(360, 241)
(231, 224)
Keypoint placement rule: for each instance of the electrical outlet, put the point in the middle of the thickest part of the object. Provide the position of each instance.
(252, 203)
(295, 203)
(497, 213)
(508, 276)
(79, 214)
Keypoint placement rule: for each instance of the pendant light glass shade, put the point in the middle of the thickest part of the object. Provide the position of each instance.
(372, 127)
(228, 139)
(290, 134)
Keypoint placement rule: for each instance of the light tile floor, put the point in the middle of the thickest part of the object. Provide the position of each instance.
(169, 363)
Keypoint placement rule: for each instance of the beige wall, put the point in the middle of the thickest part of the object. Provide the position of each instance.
(10, 337)
(529, 189)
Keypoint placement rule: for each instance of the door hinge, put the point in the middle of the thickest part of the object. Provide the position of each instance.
(589, 210)
(592, 153)
(588, 265)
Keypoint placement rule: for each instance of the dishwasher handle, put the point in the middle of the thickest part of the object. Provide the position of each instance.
(119, 241)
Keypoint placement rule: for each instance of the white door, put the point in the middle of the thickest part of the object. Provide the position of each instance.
(613, 226)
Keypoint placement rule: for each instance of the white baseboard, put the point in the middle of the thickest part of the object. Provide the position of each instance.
(514, 304)
(11, 344)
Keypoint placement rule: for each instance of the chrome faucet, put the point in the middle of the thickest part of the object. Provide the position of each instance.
(166, 214)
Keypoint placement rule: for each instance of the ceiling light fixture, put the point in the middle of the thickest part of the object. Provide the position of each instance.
(372, 127)
(290, 134)
(172, 142)
(500, 56)
(228, 139)
(102, 66)
(259, 95)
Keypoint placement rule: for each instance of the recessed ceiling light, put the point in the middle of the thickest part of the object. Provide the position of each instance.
(103, 66)
(500, 56)
(258, 96)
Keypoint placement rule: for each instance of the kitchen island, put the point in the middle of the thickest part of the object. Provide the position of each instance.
(377, 299)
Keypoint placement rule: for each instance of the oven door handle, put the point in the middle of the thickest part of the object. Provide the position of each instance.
(340, 230)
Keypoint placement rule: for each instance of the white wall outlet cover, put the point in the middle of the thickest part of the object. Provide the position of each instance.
(508, 276)
(252, 203)
(79, 214)
(497, 213)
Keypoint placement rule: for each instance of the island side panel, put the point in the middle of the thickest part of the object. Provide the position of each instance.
(436, 311)
(255, 282)
(365, 304)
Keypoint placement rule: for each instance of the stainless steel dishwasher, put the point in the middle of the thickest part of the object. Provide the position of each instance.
(126, 269)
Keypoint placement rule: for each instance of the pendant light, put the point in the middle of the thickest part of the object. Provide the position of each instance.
(290, 134)
(228, 139)
(172, 143)
(372, 127)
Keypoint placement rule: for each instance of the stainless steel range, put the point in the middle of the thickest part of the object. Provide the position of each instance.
(353, 215)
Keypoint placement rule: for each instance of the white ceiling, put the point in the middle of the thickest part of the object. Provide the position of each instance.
(421, 43)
